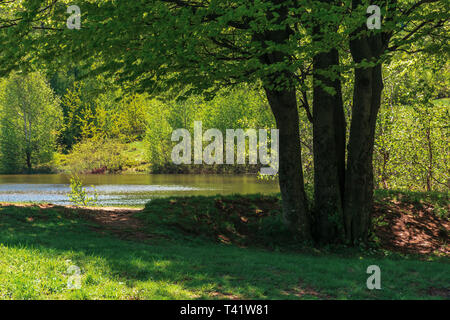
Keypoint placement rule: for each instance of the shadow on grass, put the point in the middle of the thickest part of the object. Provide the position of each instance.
(164, 269)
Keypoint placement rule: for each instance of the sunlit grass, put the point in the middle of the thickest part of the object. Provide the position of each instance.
(38, 246)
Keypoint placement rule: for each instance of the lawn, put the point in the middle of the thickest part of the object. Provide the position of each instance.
(139, 255)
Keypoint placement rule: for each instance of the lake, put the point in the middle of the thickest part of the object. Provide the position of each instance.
(128, 190)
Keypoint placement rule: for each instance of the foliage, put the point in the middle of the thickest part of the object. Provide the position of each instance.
(93, 108)
(78, 194)
(401, 158)
(29, 122)
(210, 44)
(241, 107)
(95, 154)
(402, 127)
(412, 151)
(158, 135)
(411, 146)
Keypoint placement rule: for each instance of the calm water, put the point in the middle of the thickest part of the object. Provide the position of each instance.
(128, 189)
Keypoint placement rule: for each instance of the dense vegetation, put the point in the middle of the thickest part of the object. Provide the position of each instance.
(97, 128)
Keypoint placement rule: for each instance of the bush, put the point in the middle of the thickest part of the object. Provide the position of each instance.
(95, 155)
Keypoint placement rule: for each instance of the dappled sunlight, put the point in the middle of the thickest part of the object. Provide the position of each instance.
(411, 227)
(40, 243)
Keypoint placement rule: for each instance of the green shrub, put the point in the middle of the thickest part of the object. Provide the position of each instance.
(78, 194)
(95, 154)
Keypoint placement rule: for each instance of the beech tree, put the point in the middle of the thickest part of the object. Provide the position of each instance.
(207, 44)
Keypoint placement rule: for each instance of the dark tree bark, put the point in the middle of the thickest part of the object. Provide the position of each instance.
(281, 94)
(329, 130)
(359, 175)
(295, 209)
(329, 152)
(359, 185)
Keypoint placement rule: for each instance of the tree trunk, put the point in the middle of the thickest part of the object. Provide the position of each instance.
(359, 175)
(359, 184)
(281, 94)
(329, 152)
(28, 159)
(295, 207)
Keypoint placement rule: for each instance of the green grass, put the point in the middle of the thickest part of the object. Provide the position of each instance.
(38, 245)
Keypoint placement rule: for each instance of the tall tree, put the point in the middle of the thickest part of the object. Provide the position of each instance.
(29, 120)
(329, 127)
(404, 25)
(207, 44)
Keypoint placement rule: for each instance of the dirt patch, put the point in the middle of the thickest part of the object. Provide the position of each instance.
(119, 221)
(411, 228)
(40, 215)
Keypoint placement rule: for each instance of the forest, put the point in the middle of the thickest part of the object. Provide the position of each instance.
(358, 92)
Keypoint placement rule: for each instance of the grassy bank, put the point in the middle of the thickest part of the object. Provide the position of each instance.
(207, 248)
